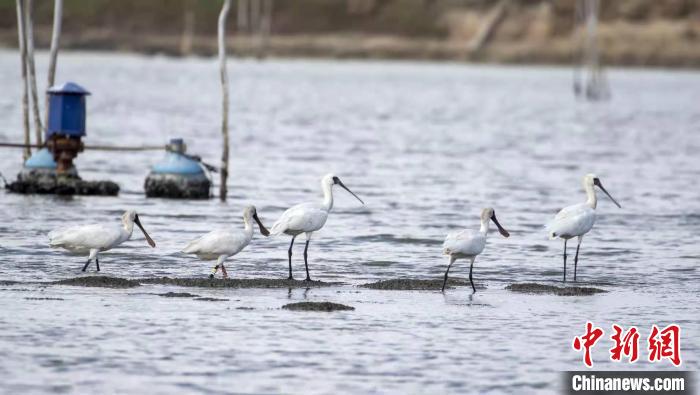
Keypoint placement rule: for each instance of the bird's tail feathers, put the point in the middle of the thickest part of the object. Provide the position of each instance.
(54, 239)
(189, 249)
(277, 229)
(550, 232)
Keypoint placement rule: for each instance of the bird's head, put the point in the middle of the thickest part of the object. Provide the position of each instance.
(489, 214)
(331, 179)
(591, 180)
(131, 217)
(250, 212)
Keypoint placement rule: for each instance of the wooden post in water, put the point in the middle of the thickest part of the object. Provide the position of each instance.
(265, 27)
(55, 36)
(25, 96)
(242, 16)
(224, 97)
(29, 28)
(488, 27)
(188, 29)
(589, 67)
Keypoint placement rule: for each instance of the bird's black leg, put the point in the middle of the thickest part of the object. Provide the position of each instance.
(565, 260)
(576, 260)
(471, 267)
(306, 262)
(86, 265)
(97, 263)
(444, 282)
(290, 259)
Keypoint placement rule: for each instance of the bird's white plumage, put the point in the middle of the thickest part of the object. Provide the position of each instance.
(302, 218)
(307, 217)
(219, 242)
(468, 244)
(578, 219)
(465, 243)
(84, 239)
(572, 221)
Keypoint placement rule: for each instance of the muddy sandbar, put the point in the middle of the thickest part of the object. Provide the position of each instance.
(407, 284)
(317, 306)
(235, 282)
(534, 288)
(98, 281)
(178, 295)
(208, 299)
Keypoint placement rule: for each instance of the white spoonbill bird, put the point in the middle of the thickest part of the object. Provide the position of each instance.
(92, 239)
(224, 243)
(578, 219)
(308, 217)
(468, 244)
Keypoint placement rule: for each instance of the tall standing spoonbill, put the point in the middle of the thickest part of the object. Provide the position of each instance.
(468, 244)
(224, 243)
(93, 239)
(307, 218)
(576, 220)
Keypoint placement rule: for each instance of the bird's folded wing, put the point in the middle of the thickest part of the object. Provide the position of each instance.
(571, 220)
(214, 242)
(299, 217)
(89, 236)
(455, 240)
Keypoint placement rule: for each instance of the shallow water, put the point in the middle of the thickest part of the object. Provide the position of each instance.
(426, 146)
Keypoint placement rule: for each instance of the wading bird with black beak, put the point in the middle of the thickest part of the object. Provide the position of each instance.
(225, 243)
(93, 239)
(468, 244)
(578, 219)
(308, 217)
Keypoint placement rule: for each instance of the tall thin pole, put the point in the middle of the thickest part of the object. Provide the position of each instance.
(224, 97)
(29, 27)
(242, 16)
(25, 97)
(255, 16)
(188, 29)
(55, 36)
(266, 26)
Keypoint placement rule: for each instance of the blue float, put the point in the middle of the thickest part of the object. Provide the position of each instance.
(42, 159)
(66, 110)
(177, 163)
(178, 175)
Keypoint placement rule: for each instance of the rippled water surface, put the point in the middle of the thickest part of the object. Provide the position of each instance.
(426, 146)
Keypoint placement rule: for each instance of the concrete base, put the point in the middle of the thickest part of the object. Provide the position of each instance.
(45, 181)
(177, 186)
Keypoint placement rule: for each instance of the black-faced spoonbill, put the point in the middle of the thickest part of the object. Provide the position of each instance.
(307, 218)
(578, 219)
(92, 239)
(468, 244)
(224, 243)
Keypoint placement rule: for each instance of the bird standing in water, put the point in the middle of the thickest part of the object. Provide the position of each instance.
(576, 220)
(468, 244)
(93, 239)
(224, 243)
(307, 218)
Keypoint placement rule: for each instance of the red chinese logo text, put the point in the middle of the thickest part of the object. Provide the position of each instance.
(665, 344)
(587, 341)
(662, 343)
